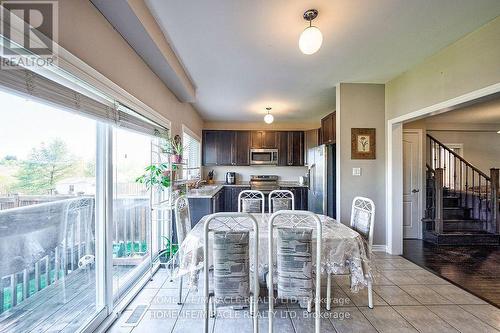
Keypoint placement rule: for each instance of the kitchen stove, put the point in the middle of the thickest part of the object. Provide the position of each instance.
(264, 183)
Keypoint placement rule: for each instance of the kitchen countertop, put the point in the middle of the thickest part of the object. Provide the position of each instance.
(215, 188)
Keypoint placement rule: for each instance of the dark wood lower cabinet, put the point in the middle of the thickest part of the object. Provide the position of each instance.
(300, 196)
(226, 200)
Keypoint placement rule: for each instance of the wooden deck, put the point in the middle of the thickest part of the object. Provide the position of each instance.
(61, 307)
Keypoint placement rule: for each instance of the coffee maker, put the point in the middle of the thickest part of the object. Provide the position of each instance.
(231, 178)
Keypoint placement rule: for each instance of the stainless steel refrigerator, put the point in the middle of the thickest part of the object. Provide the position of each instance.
(322, 182)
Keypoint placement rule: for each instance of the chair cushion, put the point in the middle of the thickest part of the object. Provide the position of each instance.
(281, 204)
(231, 266)
(251, 205)
(294, 260)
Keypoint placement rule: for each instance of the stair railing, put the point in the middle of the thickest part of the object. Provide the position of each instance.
(474, 188)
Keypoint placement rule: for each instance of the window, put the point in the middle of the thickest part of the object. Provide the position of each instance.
(49, 237)
(67, 162)
(192, 155)
(131, 205)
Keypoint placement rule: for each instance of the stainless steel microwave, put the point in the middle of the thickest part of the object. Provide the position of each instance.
(264, 156)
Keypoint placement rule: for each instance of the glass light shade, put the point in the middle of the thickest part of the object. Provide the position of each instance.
(268, 118)
(310, 40)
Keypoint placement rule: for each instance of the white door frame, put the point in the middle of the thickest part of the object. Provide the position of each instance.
(420, 178)
(394, 161)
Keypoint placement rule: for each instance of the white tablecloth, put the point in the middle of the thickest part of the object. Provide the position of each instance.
(343, 250)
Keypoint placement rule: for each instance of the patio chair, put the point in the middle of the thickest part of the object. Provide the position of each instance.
(251, 201)
(281, 200)
(232, 283)
(294, 260)
(362, 220)
(183, 226)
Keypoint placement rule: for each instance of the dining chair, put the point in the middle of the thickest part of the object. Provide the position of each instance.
(231, 262)
(183, 226)
(251, 201)
(281, 200)
(362, 221)
(294, 259)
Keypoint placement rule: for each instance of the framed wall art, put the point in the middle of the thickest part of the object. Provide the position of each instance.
(363, 143)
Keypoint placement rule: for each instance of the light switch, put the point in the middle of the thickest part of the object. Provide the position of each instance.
(356, 171)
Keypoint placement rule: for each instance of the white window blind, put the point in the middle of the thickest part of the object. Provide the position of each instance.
(192, 156)
(32, 85)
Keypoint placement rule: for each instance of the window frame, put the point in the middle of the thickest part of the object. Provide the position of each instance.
(185, 170)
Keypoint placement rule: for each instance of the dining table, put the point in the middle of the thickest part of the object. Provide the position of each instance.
(343, 250)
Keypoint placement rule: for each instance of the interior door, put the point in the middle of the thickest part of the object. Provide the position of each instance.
(412, 184)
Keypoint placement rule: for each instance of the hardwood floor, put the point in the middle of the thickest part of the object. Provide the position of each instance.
(474, 268)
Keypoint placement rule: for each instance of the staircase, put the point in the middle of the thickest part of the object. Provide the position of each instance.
(462, 206)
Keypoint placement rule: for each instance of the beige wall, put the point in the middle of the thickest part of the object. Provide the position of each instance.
(468, 64)
(88, 35)
(261, 126)
(244, 172)
(481, 149)
(362, 105)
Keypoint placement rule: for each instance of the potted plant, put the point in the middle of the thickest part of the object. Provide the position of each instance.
(155, 175)
(173, 146)
(165, 254)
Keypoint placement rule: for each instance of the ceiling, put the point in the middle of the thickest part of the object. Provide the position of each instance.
(483, 113)
(243, 55)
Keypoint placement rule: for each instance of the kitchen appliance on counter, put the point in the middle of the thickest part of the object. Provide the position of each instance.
(322, 180)
(231, 178)
(264, 156)
(264, 183)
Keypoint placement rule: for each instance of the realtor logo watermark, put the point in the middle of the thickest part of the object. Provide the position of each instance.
(30, 33)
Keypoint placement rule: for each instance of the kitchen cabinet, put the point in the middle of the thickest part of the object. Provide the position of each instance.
(264, 139)
(241, 145)
(291, 148)
(226, 148)
(231, 194)
(209, 148)
(328, 129)
(300, 196)
(233, 147)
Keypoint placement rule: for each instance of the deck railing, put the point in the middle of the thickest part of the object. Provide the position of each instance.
(43, 243)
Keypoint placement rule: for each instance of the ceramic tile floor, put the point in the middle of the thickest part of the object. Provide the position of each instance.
(407, 298)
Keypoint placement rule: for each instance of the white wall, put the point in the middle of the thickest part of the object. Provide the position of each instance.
(244, 172)
(362, 106)
(84, 32)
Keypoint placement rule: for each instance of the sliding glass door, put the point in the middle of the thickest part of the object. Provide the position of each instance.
(131, 209)
(47, 217)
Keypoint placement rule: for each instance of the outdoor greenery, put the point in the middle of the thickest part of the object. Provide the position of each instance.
(46, 165)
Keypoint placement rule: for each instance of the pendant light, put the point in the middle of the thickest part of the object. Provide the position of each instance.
(268, 118)
(311, 38)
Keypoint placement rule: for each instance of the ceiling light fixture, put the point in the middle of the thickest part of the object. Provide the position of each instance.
(311, 38)
(498, 132)
(268, 118)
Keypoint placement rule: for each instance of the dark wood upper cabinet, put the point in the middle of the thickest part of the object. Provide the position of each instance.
(328, 129)
(283, 148)
(241, 148)
(233, 147)
(296, 148)
(291, 148)
(225, 148)
(209, 147)
(264, 139)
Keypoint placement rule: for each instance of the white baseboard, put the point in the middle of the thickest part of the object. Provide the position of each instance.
(379, 248)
